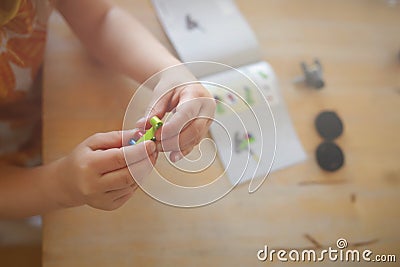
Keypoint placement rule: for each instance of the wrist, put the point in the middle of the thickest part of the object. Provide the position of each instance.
(173, 77)
(55, 185)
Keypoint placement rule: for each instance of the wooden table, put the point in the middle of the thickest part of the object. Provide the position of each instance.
(298, 207)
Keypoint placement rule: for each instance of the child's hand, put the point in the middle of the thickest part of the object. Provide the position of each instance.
(96, 172)
(193, 108)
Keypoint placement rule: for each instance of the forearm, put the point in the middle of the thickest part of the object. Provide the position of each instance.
(116, 38)
(27, 191)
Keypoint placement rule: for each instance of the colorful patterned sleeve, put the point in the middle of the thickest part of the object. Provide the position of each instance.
(22, 44)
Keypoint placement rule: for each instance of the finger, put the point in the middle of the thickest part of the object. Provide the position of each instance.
(175, 156)
(190, 108)
(123, 178)
(189, 137)
(122, 200)
(134, 134)
(158, 107)
(105, 203)
(142, 169)
(116, 180)
(132, 156)
(114, 139)
(105, 140)
(184, 114)
(116, 194)
(118, 158)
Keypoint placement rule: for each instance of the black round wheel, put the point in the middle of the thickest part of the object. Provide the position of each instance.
(329, 156)
(329, 125)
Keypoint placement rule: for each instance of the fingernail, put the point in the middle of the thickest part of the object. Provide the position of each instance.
(178, 157)
(152, 147)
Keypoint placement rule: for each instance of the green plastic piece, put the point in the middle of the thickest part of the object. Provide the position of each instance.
(244, 144)
(150, 133)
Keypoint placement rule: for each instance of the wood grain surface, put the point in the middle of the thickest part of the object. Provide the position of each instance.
(298, 207)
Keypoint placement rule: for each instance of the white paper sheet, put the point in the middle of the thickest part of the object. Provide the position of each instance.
(215, 30)
(208, 30)
(257, 162)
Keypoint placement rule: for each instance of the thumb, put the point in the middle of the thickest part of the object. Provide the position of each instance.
(158, 107)
(108, 140)
(102, 141)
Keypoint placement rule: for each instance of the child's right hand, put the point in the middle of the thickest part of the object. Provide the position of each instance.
(96, 172)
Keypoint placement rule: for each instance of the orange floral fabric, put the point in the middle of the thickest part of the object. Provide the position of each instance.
(22, 45)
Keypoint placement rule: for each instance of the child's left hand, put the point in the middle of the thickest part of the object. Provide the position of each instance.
(193, 109)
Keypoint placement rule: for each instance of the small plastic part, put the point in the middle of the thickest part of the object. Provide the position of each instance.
(132, 142)
(329, 156)
(156, 122)
(312, 75)
(150, 133)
